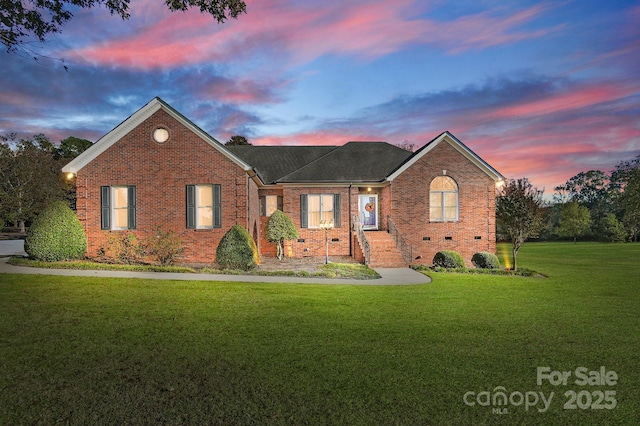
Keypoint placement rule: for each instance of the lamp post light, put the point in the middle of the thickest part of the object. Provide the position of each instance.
(326, 225)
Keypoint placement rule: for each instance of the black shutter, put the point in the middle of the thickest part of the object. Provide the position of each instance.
(280, 203)
(131, 207)
(105, 207)
(337, 212)
(304, 212)
(191, 206)
(217, 206)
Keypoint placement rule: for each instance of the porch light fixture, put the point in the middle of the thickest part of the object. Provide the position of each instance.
(70, 175)
(369, 189)
(326, 225)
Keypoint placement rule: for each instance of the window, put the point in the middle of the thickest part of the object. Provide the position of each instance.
(443, 200)
(204, 210)
(316, 208)
(269, 204)
(118, 207)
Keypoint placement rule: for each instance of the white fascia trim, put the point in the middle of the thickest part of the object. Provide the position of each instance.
(315, 185)
(460, 147)
(135, 120)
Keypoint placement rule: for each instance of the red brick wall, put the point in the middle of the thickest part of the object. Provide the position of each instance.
(476, 203)
(160, 174)
(314, 239)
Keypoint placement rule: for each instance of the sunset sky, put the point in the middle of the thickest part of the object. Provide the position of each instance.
(538, 89)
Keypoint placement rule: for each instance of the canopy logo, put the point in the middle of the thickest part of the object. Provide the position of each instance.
(500, 400)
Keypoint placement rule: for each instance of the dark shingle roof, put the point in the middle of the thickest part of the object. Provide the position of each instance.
(273, 162)
(352, 162)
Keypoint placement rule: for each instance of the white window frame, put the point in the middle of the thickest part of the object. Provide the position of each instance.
(199, 207)
(443, 206)
(115, 207)
(322, 211)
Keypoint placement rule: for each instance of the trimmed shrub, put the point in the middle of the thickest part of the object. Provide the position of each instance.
(485, 260)
(237, 250)
(280, 228)
(448, 259)
(56, 234)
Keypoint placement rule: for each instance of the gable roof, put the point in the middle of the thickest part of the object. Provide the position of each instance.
(136, 119)
(447, 137)
(273, 162)
(352, 162)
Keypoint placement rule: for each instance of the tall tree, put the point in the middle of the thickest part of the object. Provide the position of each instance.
(630, 201)
(596, 191)
(406, 145)
(520, 213)
(587, 188)
(29, 178)
(575, 220)
(71, 147)
(21, 20)
(237, 140)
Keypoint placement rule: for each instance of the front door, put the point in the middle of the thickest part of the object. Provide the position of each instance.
(368, 209)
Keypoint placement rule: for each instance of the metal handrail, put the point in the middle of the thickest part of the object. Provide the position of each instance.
(362, 238)
(406, 249)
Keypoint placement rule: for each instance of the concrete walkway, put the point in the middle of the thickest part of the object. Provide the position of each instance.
(390, 276)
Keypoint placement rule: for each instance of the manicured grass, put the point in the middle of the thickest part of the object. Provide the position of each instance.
(85, 351)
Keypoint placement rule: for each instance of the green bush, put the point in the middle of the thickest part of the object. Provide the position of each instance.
(165, 246)
(485, 260)
(448, 259)
(56, 234)
(123, 248)
(237, 250)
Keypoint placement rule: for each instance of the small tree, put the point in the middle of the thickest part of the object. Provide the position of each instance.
(575, 220)
(519, 212)
(613, 229)
(280, 228)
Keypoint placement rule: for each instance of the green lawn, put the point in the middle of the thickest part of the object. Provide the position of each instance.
(115, 351)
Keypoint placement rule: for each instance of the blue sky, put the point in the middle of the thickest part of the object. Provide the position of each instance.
(538, 89)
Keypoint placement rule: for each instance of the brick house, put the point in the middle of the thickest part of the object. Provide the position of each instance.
(384, 205)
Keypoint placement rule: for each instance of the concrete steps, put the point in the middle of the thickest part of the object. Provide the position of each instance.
(383, 251)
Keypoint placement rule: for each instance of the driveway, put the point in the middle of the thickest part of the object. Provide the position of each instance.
(12, 247)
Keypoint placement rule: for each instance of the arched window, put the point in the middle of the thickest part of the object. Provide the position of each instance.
(443, 199)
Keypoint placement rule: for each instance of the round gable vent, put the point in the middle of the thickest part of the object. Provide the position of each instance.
(161, 135)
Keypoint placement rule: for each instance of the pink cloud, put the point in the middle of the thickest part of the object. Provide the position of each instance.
(321, 137)
(483, 30)
(300, 33)
(583, 97)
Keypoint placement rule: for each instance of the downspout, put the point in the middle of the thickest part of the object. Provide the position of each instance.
(350, 224)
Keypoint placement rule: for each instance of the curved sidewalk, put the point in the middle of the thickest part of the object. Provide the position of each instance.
(390, 276)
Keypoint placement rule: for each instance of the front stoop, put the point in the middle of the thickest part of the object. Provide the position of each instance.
(383, 251)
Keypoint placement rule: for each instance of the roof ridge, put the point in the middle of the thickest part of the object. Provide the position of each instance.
(311, 162)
